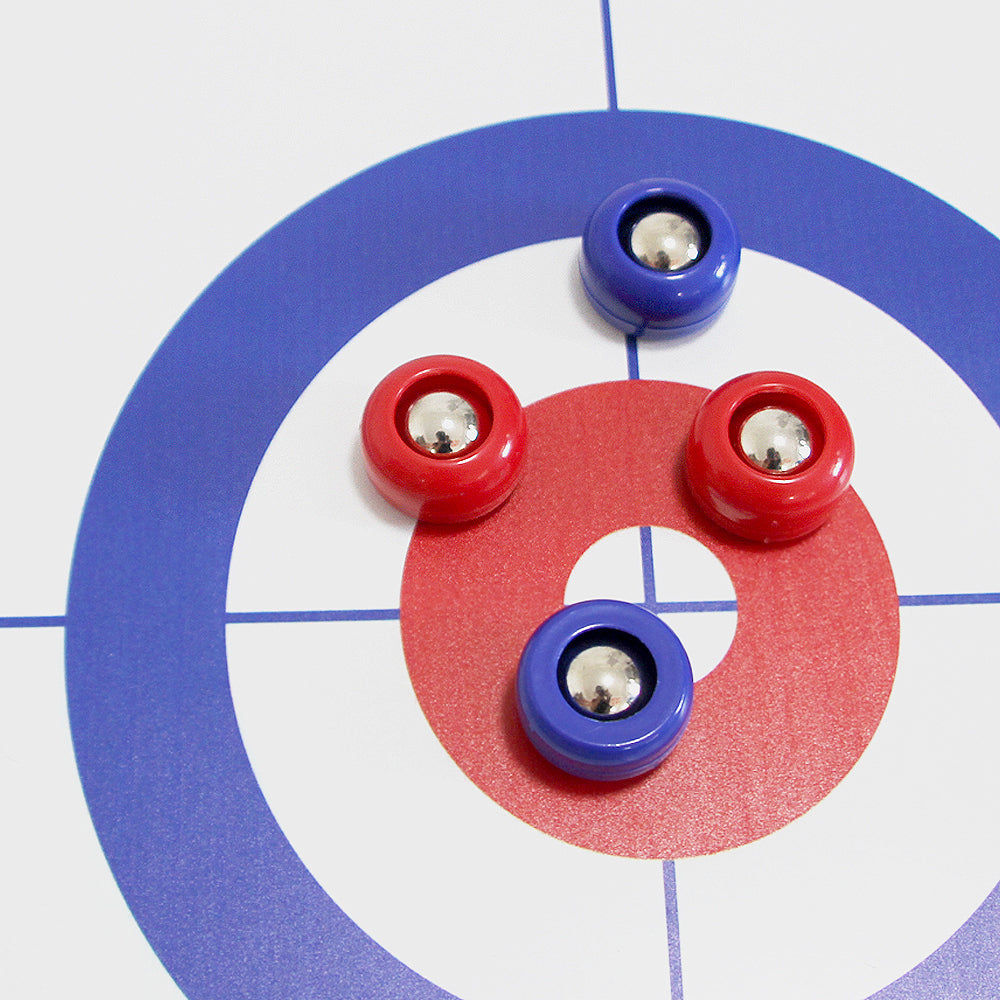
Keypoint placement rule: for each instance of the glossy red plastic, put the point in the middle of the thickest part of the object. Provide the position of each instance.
(445, 489)
(749, 501)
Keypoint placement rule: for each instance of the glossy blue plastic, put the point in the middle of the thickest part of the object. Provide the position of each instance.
(640, 300)
(609, 748)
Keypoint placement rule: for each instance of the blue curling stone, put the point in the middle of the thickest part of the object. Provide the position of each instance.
(659, 258)
(604, 690)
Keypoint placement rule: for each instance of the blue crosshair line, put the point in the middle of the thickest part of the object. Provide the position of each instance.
(391, 614)
(609, 56)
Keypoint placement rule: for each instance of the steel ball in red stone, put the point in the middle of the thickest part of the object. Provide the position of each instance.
(444, 439)
(769, 455)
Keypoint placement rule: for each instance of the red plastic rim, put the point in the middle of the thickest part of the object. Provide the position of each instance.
(756, 503)
(445, 489)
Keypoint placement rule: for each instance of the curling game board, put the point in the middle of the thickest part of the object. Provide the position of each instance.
(260, 733)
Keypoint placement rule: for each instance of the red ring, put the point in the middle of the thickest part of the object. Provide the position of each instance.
(749, 501)
(445, 489)
(774, 727)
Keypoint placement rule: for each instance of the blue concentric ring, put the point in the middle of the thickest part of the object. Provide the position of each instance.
(211, 879)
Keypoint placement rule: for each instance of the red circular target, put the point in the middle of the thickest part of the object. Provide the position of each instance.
(775, 726)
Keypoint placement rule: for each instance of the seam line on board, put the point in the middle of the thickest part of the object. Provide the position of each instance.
(673, 930)
(609, 56)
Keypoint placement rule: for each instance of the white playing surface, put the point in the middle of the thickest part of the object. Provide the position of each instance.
(884, 870)
(145, 149)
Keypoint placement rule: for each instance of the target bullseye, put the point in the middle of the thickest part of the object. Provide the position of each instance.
(769, 456)
(773, 726)
(444, 439)
(604, 690)
(659, 257)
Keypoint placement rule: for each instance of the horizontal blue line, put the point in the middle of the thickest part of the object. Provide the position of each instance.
(362, 615)
(392, 614)
(34, 621)
(923, 600)
(671, 607)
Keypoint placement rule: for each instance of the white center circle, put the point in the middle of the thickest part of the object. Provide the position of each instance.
(671, 574)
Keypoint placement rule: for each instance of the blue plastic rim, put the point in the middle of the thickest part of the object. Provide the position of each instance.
(609, 748)
(640, 300)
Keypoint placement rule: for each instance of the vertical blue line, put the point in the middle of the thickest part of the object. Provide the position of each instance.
(632, 355)
(648, 578)
(673, 930)
(609, 56)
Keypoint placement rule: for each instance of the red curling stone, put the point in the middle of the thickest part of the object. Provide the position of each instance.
(444, 439)
(769, 455)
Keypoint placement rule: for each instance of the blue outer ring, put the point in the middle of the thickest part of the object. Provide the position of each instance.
(207, 872)
(603, 749)
(639, 300)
